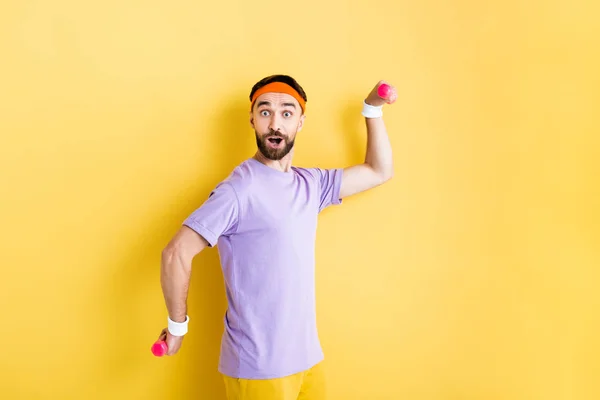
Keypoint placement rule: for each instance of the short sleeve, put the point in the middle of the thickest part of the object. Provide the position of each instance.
(217, 216)
(330, 183)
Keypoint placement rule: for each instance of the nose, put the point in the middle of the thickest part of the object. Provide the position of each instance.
(274, 124)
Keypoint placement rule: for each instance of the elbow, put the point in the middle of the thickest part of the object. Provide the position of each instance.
(174, 255)
(171, 250)
(182, 249)
(168, 254)
(389, 175)
(386, 175)
(381, 174)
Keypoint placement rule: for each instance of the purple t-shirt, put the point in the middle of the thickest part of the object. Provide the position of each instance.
(264, 223)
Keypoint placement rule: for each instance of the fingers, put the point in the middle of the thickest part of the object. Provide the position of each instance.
(173, 344)
(386, 92)
(392, 97)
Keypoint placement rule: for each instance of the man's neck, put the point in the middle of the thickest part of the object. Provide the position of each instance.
(284, 165)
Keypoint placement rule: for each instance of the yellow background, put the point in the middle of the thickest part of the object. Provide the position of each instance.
(473, 274)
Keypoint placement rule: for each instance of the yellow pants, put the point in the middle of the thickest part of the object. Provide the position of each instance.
(306, 385)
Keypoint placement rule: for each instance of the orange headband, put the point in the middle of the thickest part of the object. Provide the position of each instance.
(279, 87)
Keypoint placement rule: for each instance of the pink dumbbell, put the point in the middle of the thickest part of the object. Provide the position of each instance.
(159, 348)
(386, 92)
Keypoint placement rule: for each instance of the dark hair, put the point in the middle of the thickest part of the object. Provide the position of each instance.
(278, 78)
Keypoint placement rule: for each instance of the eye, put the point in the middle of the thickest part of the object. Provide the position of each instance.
(264, 113)
(287, 114)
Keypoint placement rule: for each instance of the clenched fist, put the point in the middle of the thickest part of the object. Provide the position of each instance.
(382, 93)
(173, 342)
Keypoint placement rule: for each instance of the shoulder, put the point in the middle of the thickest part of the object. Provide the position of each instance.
(320, 175)
(240, 179)
(314, 173)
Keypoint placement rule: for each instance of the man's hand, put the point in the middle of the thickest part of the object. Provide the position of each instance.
(173, 342)
(374, 99)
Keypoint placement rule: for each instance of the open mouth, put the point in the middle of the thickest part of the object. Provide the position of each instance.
(274, 141)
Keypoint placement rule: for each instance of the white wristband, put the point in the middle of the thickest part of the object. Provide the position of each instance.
(178, 328)
(370, 111)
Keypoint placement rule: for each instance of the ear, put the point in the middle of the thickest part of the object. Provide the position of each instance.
(252, 120)
(301, 123)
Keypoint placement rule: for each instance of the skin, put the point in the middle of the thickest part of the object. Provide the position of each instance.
(273, 114)
(277, 114)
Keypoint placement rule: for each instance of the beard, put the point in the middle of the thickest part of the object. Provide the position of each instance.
(274, 153)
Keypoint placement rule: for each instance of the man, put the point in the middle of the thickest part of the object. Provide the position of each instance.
(263, 217)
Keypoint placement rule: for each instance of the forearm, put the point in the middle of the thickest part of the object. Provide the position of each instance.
(378, 166)
(379, 148)
(175, 277)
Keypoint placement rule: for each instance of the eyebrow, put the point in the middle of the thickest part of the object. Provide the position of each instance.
(263, 103)
(268, 103)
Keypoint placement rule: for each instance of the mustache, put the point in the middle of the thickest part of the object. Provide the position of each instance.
(275, 134)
